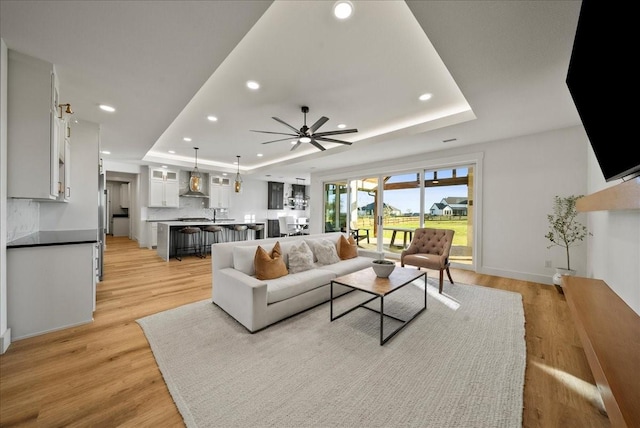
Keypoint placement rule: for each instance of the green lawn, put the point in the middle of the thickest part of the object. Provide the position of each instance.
(459, 226)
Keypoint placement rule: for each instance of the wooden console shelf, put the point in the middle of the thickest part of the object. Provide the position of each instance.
(623, 196)
(610, 333)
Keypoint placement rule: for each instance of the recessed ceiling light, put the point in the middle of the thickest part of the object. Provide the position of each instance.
(172, 151)
(342, 126)
(259, 155)
(425, 97)
(343, 9)
(164, 166)
(224, 173)
(105, 152)
(212, 118)
(107, 108)
(294, 142)
(252, 84)
(187, 139)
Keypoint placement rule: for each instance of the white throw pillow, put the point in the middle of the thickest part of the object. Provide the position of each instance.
(300, 258)
(326, 252)
(243, 258)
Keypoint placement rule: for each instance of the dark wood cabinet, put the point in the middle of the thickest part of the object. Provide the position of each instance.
(275, 195)
(273, 228)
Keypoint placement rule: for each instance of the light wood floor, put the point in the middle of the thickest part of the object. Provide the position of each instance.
(103, 374)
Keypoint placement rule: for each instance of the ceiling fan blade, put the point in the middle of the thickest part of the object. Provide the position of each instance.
(278, 133)
(339, 131)
(295, 146)
(287, 125)
(318, 124)
(331, 140)
(273, 141)
(315, 143)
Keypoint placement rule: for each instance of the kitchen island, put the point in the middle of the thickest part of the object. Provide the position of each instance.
(167, 232)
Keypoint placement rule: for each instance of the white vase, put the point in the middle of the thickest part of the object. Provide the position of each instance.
(560, 272)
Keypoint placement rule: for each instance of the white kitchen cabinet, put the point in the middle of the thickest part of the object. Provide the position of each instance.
(120, 226)
(163, 188)
(33, 131)
(154, 234)
(49, 288)
(64, 167)
(219, 192)
(124, 195)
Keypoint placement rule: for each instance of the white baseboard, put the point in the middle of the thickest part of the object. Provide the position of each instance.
(541, 279)
(5, 341)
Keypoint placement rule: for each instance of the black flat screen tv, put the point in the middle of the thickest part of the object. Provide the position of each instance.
(602, 86)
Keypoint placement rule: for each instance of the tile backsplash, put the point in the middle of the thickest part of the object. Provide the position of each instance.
(23, 218)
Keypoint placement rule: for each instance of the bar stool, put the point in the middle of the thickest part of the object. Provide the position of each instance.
(255, 229)
(239, 232)
(210, 235)
(189, 240)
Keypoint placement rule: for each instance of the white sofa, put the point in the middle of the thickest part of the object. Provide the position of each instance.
(255, 303)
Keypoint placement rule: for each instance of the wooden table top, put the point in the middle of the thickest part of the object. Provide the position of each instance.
(367, 280)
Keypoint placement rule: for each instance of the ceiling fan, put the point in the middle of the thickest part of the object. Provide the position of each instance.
(308, 134)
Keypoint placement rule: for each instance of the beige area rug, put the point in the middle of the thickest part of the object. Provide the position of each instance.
(459, 364)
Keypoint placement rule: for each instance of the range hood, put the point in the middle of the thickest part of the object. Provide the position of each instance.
(195, 182)
(194, 194)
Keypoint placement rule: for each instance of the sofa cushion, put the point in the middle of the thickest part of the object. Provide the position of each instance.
(244, 257)
(326, 252)
(295, 284)
(347, 248)
(300, 258)
(269, 265)
(348, 266)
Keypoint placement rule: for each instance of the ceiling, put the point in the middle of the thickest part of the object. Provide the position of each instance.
(495, 69)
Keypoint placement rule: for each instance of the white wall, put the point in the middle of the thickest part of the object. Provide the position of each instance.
(518, 180)
(614, 247)
(81, 212)
(251, 201)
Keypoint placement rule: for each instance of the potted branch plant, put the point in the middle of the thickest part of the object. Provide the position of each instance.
(565, 231)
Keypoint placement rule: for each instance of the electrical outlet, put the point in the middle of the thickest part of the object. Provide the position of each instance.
(547, 263)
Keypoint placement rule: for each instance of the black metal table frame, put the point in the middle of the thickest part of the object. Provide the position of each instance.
(383, 339)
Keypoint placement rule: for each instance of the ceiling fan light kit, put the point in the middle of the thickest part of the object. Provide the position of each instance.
(308, 134)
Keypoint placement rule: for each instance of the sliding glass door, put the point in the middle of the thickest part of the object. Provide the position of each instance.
(335, 206)
(383, 211)
(448, 204)
(400, 213)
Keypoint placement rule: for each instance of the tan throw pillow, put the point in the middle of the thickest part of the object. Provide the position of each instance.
(269, 266)
(347, 248)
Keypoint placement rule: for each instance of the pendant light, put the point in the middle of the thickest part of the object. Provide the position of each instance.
(238, 182)
(195, 181)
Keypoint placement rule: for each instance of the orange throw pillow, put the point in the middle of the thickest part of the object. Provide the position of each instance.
(269, 266)
(347, 248)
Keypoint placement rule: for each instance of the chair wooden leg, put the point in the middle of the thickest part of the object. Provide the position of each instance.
(449, 275)
(441, 279)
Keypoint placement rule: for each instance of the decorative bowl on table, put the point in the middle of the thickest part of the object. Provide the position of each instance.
(383, 268)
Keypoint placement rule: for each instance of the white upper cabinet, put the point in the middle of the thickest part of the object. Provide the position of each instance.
(219, 192)
(163, 188)
(124, 195)
(34, 130)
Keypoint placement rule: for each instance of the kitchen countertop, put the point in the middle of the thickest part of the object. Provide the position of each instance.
(175, 223)
(55, 237)
(220, 220)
